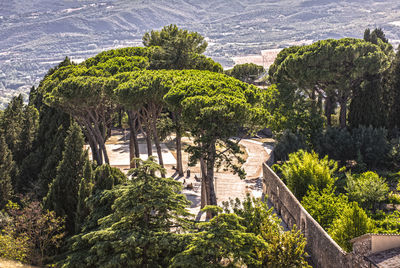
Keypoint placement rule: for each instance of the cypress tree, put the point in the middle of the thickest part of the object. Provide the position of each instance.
(352, 223)
(106, 177)
(10, 128)
(6, 171)
(28, 133)
(38, 169)
(366, 104)
(85, 191)
(63, 191)
(394, 120)
(11, 123)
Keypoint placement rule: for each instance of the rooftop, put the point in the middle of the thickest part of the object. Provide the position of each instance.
(386, 259)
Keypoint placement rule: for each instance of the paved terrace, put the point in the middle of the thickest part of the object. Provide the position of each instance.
(227, 185)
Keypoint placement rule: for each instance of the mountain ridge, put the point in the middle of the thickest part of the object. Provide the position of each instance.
(38, 33)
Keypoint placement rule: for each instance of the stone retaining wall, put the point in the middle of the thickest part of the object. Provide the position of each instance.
(323, 249)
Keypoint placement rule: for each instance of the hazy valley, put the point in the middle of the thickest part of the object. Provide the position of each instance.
(35, 35)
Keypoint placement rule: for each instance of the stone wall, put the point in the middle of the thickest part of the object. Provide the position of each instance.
(324, 251)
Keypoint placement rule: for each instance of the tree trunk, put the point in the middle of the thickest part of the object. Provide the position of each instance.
(95, 153)
(313, 102)
(148, 142)
(133, 142)
(100, 153)
(132, 163)
(343, 112)
(210, 174)
(179, 165)
(178, 140)
(157, 141)
(209, 179)
(105, 154)
(203, 183)
(120, 118)
(100, 141)
(328, 110)
(320, 102)
(93, 147)
(88, 131)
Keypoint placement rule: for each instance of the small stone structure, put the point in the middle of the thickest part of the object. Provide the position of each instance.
(377, 250)
(324, 251)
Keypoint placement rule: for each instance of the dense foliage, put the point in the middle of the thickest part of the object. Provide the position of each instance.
(304, 169)
(247, 72)
(324, 205)
(30, 233)
(338, 99)
(367, 189)
(353, 222)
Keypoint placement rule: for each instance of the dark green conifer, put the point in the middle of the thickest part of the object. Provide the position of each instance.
(63, 191)
(6, 171)
(366, 107)
(85, 190)
(38, 168)
(11, 123)
(394, 118)
(105, 177)
(28, 132)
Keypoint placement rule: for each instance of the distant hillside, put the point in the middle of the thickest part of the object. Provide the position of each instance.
(36, 34)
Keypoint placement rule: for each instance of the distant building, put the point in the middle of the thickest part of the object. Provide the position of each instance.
(266, 58)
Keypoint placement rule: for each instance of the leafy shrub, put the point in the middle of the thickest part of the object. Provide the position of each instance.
(388, 223)
(324, 206)
(352, 223)
(393, 178)
(247, 72)
(394, 154)
(37, 230)
(372, 144)
(277, 248)
(394, 198)
(304, 169)
(367, 189)
(337, 144)
(286, 144)
(12, 246)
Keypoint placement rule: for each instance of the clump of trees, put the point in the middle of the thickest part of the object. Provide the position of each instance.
(336, 96)
(325, 73)
(339, 98)
(30, 233)
(86, 213)
(247, 72)
(209, 105)
(144, 222)
(344, 212)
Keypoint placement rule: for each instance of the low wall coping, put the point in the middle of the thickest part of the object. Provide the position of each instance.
(303, 210)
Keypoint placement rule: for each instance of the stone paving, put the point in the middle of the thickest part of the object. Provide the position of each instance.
(119, 154)
(227, 185)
